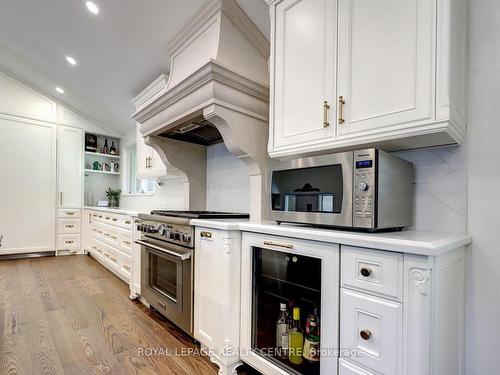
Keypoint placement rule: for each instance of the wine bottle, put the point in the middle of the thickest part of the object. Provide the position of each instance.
(296, 339)
(282, 332)
(112, 149)
(105, 149)
(311, 350)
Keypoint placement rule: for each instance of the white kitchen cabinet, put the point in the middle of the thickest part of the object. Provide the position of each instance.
(304, 75)
(149, 163)
(393, 75)
(70, 164)
(28, 186)
(108, 237)
(385, 66)
(217, 295)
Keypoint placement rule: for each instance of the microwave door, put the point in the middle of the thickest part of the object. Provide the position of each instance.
(316, 190)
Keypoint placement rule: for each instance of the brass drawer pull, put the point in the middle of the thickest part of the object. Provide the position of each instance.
(341, 109)
(205, 234)
(128, 222)
(70, 226)
(113, 259)
(365, 272)
(326, 107)
(126, 268)
(69, 213)
(113, 237)
(100, 217)
(99, 251)
(114, 219)
(69, 241)
(106, 255)
(127, 242)
(107, 234)
(365, 334)
(107, 217)
(276, 244)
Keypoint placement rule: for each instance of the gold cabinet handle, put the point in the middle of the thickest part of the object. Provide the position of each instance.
(126, 242)
(341, 109)
(128, 222)
(113, 237)
(61, 198)
(69, 242)
(148, 162)
(114, 219)
(205, 234)
(70, 226)
(107, 217)
(365, 334)
(326, 107)
(277, 244)
(68, 213)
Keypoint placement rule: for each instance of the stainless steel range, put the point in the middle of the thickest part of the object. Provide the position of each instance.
(167, 258)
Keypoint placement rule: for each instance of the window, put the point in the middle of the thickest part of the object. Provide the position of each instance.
(134, 184)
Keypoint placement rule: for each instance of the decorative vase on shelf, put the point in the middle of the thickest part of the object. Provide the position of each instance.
(114, 202)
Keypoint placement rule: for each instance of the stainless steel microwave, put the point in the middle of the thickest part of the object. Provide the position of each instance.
(366, 189)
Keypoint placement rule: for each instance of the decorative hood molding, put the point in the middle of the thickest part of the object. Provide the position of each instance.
(219, 78)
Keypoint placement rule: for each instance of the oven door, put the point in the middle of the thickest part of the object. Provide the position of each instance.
(316, 190)
(166, 280)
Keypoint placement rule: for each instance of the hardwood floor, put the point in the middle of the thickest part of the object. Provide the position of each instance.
(69, 315)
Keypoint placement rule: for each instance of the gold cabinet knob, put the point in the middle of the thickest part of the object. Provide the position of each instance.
(365, 272)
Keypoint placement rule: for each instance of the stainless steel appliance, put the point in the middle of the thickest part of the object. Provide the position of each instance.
(167, 260)
(366, 189)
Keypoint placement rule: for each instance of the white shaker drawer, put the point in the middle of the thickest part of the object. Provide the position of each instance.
(374, 271)
(68, 213)
(373, 326)
(68, 241)
(347, 368)
(66, 226)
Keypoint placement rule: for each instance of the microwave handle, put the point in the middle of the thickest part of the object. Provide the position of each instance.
(182, 256)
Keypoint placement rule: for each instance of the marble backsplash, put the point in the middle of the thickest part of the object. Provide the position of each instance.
(440, 188)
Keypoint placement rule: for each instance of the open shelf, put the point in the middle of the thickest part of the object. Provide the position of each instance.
(103, 172)
(102, 155)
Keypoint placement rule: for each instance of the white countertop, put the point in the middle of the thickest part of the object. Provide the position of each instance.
(115, 210)
(414, 242)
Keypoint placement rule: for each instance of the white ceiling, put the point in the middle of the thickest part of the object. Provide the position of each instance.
(119, 52)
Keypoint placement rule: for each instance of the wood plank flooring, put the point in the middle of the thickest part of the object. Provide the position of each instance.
(70, 315)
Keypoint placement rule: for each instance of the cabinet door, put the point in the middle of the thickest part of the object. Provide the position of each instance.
(28, 186)
(304, 73)
(143, 154)
(386, 65)
(70, 153)
(157, 167)
(207, 295)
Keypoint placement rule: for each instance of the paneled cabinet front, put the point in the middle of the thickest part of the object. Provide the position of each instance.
(149, 163)
(350, 73)
(217, 295)
(70, 164)
(304, 73)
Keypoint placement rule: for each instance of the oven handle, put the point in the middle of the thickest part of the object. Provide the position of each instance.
(183, 256)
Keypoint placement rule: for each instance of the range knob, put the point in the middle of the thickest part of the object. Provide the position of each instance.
(363, 186)
(186, 237)
(151, 229)
(171, 234)
(177, 236)
(162, 230)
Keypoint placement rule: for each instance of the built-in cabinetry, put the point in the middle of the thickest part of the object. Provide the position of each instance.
(28, 184)
(149, 163)
(109, 239)
(216, 294)
(351, 73)
(397, 306)
(69, 186)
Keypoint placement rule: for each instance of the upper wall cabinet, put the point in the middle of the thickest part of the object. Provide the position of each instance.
(353, 73)
(149, 163)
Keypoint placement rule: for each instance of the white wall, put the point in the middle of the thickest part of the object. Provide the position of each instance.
(483, 281)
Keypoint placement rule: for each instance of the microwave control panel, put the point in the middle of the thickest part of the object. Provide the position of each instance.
(364, 188)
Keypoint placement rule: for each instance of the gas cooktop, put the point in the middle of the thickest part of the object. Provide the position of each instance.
(201, 214)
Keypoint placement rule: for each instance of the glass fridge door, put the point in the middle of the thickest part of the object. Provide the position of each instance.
(293, 281)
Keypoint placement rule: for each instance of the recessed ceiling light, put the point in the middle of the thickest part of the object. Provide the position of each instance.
(59, 90)
(70, 60)
(92, 7)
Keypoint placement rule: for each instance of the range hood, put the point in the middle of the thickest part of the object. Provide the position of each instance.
(217, 91)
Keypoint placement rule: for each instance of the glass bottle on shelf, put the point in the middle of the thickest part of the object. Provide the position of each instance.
(282, 332)
(105, 149)
(296, 339)
(311, 350)
(112, 149)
